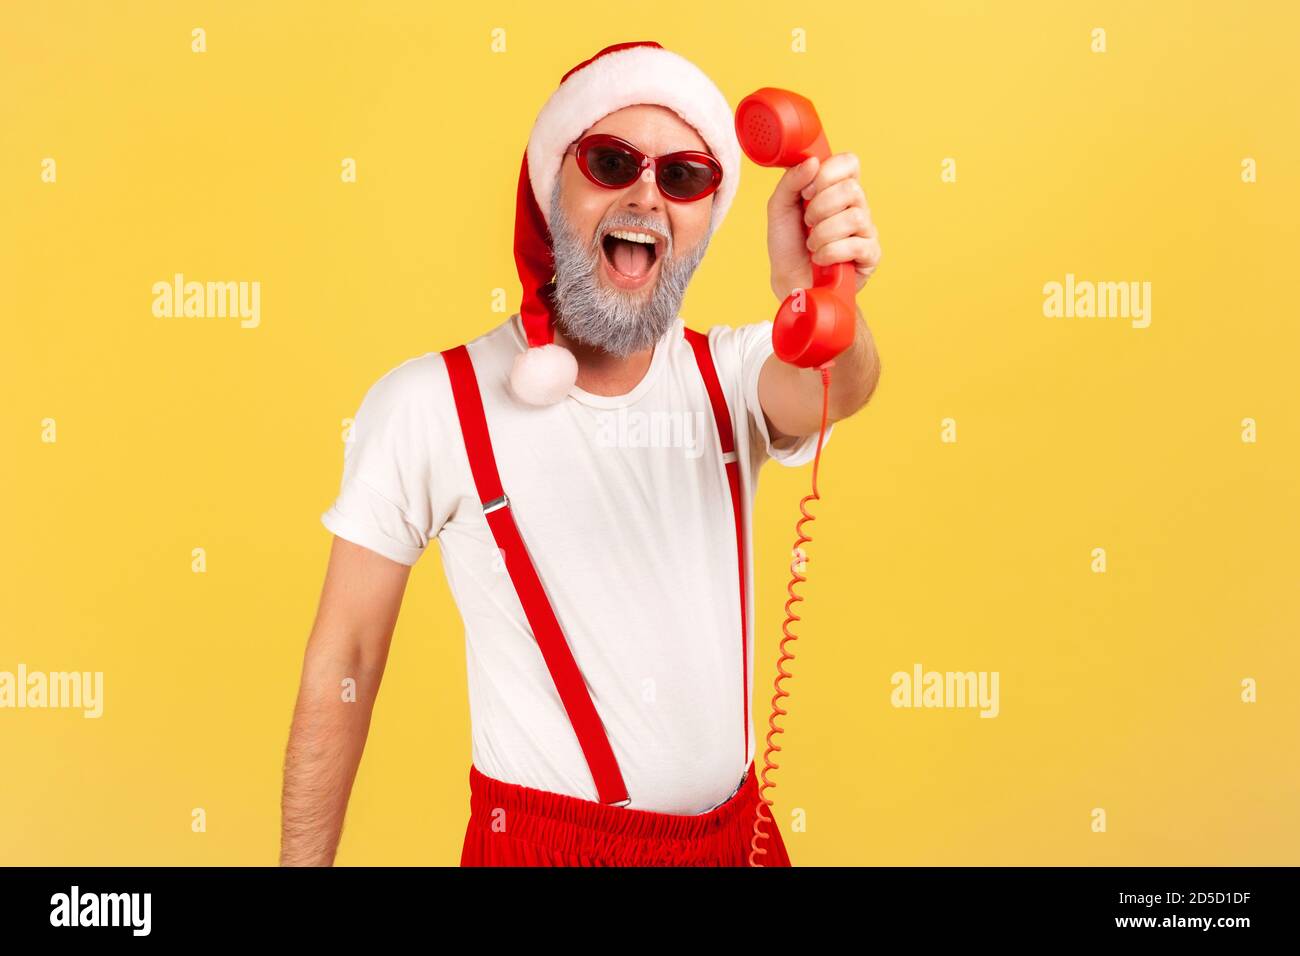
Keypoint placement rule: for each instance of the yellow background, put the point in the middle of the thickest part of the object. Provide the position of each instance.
(1118, 690)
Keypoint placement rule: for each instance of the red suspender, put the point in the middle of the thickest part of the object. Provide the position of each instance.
(546, 629)
(722, 418)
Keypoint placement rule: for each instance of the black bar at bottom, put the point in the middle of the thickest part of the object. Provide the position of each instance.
(651, 906)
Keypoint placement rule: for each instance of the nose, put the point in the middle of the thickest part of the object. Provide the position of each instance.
(643, 195)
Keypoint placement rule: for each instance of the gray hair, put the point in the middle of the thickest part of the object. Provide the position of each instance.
(616, 321)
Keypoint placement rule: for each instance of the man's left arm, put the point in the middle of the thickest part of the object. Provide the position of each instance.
(839, 230)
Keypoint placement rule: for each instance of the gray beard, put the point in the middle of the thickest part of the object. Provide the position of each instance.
(616, 321)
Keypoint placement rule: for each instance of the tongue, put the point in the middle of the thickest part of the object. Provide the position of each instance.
(631, 258)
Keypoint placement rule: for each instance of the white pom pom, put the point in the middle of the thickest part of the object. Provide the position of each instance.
(543, 375)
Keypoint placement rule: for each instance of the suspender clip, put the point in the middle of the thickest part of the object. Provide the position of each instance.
(495, 503)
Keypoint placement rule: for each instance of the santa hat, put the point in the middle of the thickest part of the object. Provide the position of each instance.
(626, 74)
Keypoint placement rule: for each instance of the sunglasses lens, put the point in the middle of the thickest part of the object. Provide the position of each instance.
(687, 178)
(612, 166)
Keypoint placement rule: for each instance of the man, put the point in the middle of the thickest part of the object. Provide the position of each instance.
(588, 469)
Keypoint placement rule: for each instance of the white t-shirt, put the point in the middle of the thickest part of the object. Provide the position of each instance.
(624, 506)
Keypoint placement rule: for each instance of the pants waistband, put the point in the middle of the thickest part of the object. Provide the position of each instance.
(531, 809)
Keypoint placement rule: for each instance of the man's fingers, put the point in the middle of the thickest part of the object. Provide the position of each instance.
(844, 194)
(793, 181)
(864, 253)
(853, 221)
(840, 166)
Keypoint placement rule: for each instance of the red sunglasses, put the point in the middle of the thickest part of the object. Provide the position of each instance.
(614, 163)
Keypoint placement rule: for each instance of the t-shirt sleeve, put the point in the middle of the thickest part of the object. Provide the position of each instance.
(386, 498)
(754, 345)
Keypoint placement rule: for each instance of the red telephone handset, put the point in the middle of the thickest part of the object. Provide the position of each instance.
(780, 128)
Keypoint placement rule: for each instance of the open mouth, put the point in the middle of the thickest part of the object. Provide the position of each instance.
(631, 256)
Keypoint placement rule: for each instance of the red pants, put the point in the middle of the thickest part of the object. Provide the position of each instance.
(510, 825)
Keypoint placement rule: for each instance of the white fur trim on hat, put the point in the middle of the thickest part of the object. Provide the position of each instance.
(543, 375)
(627, 78)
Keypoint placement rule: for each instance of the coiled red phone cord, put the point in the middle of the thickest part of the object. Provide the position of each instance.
(798, 559)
